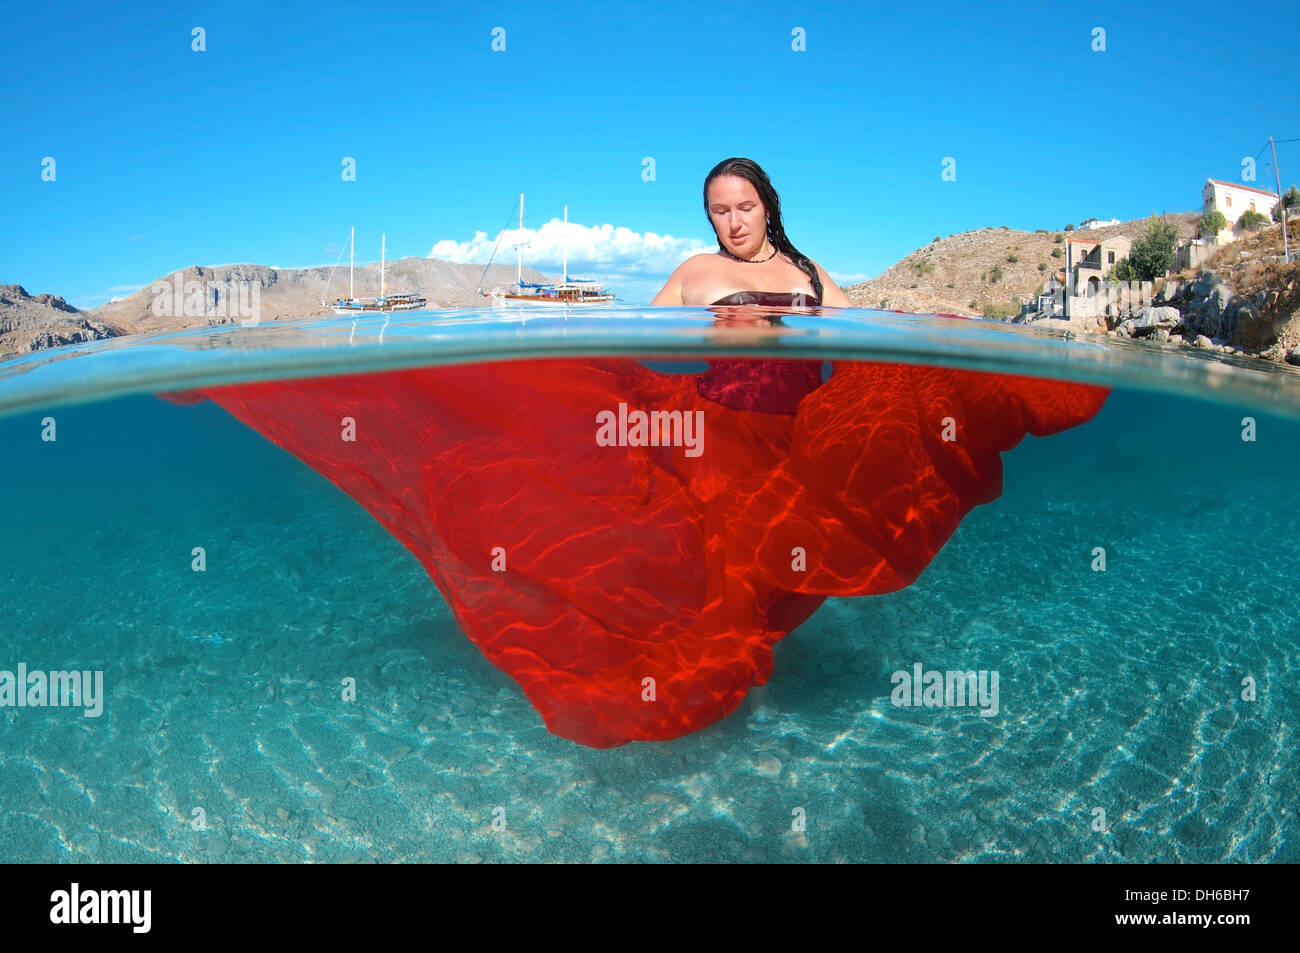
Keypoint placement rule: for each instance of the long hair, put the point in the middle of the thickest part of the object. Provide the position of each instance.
(750, 170)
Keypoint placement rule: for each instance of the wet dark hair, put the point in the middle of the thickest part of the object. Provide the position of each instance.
(750, 170)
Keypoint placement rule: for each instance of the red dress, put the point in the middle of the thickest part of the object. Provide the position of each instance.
(635, 591)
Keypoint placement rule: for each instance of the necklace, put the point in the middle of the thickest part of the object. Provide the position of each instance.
(749, 261)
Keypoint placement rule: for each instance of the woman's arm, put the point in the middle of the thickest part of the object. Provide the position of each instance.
(832, 296)
(671, 292)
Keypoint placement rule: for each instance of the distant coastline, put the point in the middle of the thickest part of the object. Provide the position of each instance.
(218, 295)
(992, 271)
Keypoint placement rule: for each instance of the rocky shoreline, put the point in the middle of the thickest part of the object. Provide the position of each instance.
(34, 322)
(1206, 314)
(1245, 301)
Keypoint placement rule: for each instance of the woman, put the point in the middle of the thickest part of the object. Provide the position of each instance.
(755, 263)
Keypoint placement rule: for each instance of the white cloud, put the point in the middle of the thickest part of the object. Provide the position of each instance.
(634, 265)
(604, 252)
(842, 278)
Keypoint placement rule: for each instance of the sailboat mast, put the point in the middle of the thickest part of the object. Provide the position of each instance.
(564, 241)
(383, 245)
(352, 257)
(519, 269)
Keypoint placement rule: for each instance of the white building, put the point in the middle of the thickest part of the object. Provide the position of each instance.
(1233, 201)
(1097, 223)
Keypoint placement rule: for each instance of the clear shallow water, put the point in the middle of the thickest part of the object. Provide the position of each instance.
(1119, 690)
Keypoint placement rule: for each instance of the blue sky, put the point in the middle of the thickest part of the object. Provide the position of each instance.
(167, 157)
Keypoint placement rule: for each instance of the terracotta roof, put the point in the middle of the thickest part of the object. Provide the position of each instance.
(1234, 185)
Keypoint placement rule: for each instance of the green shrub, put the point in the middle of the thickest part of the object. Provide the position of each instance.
(1059, 238)
(1012, 259)
(972, 304)
(996, 274)
(951, 285)
(1253, 220)
(1212, 223)
(1069, 228)
(1123, 271)
(1001, 312)
(1290, 199)
(935, 240)
(1153, 252)
(1042, 266)
(1056, 253)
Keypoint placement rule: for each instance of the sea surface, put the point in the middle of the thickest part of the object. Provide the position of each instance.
(1148, 711)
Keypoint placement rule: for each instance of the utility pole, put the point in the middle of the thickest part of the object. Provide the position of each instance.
(1277, 178)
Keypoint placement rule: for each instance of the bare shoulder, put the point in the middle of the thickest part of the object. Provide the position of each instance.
(825, 275)
(673, 291)
(832, 296)
(696, 262)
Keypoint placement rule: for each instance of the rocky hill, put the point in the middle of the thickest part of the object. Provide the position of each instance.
(955, 275)
(30, 322)
(296, 293)
(1246, 297)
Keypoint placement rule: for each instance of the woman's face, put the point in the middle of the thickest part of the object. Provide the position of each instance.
(737, 214)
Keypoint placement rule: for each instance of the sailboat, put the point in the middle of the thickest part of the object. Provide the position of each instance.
(576, 291)
(385, 302)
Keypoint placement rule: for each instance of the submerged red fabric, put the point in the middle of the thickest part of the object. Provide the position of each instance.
(624, 564)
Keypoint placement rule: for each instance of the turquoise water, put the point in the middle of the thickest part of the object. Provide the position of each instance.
(1121, 690)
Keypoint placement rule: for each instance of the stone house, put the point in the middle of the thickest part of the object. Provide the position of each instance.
(1088, 262)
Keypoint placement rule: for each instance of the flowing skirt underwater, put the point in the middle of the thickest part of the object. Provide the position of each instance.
(627, 544)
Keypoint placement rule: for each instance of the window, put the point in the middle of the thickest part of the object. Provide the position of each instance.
(1110, 258)
(1228, 199)
(1252, 206)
